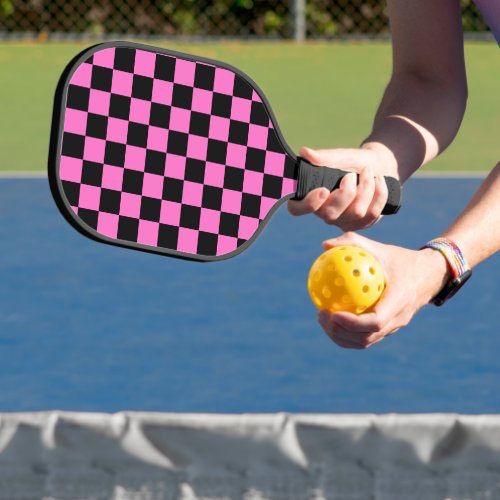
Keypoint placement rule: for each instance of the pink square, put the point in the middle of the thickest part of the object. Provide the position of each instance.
(145, 63)
(252, 182)
(202, 101)
(188, 240)
(152, 185)
(226, 244)
(175, 166)
(247, 228)
(105, 58)
(219, 128)
(197, 147)
(265, 206)
(157, 138)
(256, 97)
(257, 136)
(112, 177)
(130, 205)
(82, 76)
(107, 224)
(94, 149)
(179, 119)
(121, 83)
(148, 232)
(135, 158)
(90, 197)
(162, 92)
(170, 213)
(224, 81)
(289, 186)
(140, 111)
(214, 174)
(192, 194)
(75, 121)
(99, 102)
(231, 201)
(274, 164)
(209, 220)
(241, 109)
(236, 155)
(117, 130)
(184, 72)
(70, 169)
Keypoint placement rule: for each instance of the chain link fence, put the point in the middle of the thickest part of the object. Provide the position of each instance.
(203, 19)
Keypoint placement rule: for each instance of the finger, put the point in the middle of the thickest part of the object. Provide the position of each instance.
(311, 203)
(380, 195)
(338, 334)
(339, 200)
(365, 191)
(348, 238)
(339, 157)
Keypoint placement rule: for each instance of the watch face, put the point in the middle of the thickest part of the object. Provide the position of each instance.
(451, 288)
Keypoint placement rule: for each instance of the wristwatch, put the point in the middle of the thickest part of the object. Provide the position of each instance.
(459, 267)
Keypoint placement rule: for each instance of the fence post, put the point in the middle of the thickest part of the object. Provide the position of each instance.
(299, 20)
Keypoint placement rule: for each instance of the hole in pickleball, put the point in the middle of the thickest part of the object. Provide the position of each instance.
(327, 293)
(362, 254)
(346, 299)
(366, 289)
(317, 276)
(379, 288)
(339, 281)
(336, 306)
(372, 270)
(348, 258)
(356, 273)
(359, 310)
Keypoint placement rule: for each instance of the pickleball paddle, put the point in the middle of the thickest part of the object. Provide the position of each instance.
(171, 153)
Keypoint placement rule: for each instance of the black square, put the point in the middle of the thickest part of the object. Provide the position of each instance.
(204, 77)
(273, 142)
(92, 173)
(212, 197)
(207, 243)
(165, 68)
(199, 124)
(217, 151)
(258, 114)
(110, 201)
(128, 228)
(124, 59)
(101, 78)
(238, 132)
(250, 205)
(97, 126)
(78, 98)
(159, 115)
(114, 154)
(142, 87)
(73, 145)
(233, 178)
(255, 160)
(172, 189)
(272, 186)
(190, 217)
(177, 143)
(242, 88)
(195, 170)
(155, 162)
(221, 105)
(72, 192)
(290, 168)
(89, 217)
(182, 96)
(119, 106)
(137, 134)
(168, 236)
(132, 181)
(150, 209)
(229, 224)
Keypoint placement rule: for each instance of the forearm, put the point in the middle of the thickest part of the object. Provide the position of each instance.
(416, 120)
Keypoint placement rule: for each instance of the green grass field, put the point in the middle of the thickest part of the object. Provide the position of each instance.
(323, 94)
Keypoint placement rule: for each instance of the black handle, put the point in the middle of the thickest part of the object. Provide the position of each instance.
(311, 177)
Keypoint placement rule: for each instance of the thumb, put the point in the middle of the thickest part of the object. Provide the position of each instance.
(350, 159)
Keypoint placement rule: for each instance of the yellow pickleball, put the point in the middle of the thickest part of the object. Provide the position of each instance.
(346, 278)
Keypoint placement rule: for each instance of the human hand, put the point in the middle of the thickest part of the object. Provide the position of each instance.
(413, 278)
(351, 206)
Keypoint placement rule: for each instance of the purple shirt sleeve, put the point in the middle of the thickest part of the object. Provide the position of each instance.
(490, 9)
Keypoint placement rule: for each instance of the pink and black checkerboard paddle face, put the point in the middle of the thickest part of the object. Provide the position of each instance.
(168, 153)
(163, 152)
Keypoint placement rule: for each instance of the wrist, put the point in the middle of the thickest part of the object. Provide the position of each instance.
(386, 156)
(437, 272)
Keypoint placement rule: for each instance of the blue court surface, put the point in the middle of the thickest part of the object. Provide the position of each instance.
(92, 327)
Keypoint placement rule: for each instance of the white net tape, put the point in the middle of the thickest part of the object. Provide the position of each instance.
(160, 456)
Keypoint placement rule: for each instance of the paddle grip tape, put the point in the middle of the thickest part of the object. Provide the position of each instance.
(311, 177)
